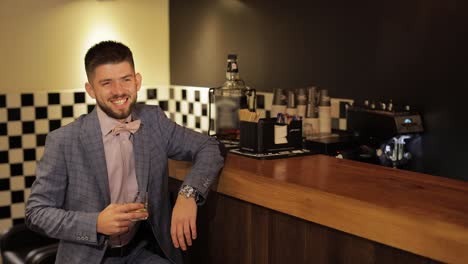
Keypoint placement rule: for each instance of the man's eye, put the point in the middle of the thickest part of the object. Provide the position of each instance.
(128, 79)
(105, 83)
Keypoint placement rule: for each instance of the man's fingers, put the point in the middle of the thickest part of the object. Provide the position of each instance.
(174, 235)
(187, 233)
(193, 228)
(129, 207)
(180, 237)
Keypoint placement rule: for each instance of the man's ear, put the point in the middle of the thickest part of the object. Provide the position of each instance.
(138, 79)
(90, 90)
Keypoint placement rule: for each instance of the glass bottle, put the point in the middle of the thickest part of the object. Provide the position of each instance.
(229, 98)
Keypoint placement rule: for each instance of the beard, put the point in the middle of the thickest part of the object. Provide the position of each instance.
(120, 114)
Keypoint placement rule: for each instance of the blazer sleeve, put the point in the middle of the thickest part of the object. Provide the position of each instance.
(205, 152)
(44, 208)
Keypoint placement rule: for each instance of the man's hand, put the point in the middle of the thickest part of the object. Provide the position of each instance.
(183, 224)
(116, 218)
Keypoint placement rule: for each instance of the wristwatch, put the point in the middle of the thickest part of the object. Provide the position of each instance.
(188, 191)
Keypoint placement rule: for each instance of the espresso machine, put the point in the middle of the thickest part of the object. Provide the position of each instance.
(386, 134)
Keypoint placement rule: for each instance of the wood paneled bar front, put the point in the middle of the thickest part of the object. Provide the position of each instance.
(319, 209)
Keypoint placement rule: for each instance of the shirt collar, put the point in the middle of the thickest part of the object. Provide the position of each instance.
(108, 123)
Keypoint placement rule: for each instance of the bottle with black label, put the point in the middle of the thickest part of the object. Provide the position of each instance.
(229, 98)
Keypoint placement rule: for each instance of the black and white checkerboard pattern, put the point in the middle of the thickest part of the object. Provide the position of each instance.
(26, 118)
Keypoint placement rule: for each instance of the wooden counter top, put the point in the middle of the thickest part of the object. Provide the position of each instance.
(419, 213)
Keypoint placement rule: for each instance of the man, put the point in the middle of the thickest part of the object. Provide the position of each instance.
(90, 166)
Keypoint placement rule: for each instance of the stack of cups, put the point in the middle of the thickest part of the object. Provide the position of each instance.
(324, 113)
(301, 99)
(291, 106)
(310, 124)
(279, 102)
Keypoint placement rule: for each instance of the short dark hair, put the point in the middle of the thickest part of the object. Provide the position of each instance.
(106, 52)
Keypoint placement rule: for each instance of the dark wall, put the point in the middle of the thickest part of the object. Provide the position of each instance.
(413, 52)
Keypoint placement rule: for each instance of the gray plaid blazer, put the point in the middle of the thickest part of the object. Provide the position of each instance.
(72, 187)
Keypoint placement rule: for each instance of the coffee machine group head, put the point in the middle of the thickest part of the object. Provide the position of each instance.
(390, 134)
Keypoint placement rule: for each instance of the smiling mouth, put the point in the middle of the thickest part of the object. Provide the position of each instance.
(120, 101)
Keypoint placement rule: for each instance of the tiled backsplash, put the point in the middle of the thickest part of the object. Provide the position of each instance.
(25, 120)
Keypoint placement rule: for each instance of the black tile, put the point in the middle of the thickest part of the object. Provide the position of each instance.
(16, 169)
(4, 184)
(184, 119)
(171, 93)
(197, 122)
(190, 109)
(90, 108)
(54, 98)
(164, 105)
(41, 112)
(4, 157)
(54, 124)
(197, 96)
(3, 129)
(67, 111)
(17, 196)
(211, 124)
(80, 97)
(14, 114)
(335, 123)
(184, 94)
(41, 139)
(29, 154)
(204, 110)
(18, 221)
(27, 99)
(177, 106)
(5, 212)
(261, 101)
(267, 113)
(15, 142)
(28, 127)
(28, 181)
(152, 94)
(2, 100)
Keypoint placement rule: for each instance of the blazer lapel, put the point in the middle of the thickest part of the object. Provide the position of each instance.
(91, 137)
(141, 153)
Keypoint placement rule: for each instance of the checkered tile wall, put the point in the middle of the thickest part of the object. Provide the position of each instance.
(25, 120)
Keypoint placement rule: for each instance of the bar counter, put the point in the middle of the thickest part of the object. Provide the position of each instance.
(414, 212)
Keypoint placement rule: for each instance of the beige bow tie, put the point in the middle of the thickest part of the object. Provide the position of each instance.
(131, 127)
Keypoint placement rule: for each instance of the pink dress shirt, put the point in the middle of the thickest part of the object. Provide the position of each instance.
(121, 173)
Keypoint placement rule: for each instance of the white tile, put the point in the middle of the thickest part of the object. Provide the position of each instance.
(54, 112)
(152, 102)
(28, 113)
(5, 224)
(29, 168)
(141, 95)
(177, 93)
(335, 108)
(17, 210)
(15, 155)
(204, 123)
(14, 128)
(89, 99)
(4, 171)
(4, 143)
(13, 100)
(3, 115)
(163, 93)
(268, 100)
(39, 152)
(5, 198)
(79, 109)
(41, 99)
(191, 121)
(184, 108)
(190, 94)
(342, 124)
(197, 109)
(178, 118)
(27, 193)
(29, 141)
(204, 96)
(172, 106)
(17, 183)
(67, 98)
(68, 120)
(42, 126)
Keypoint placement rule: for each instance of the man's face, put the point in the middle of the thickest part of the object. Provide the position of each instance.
(115, 87)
